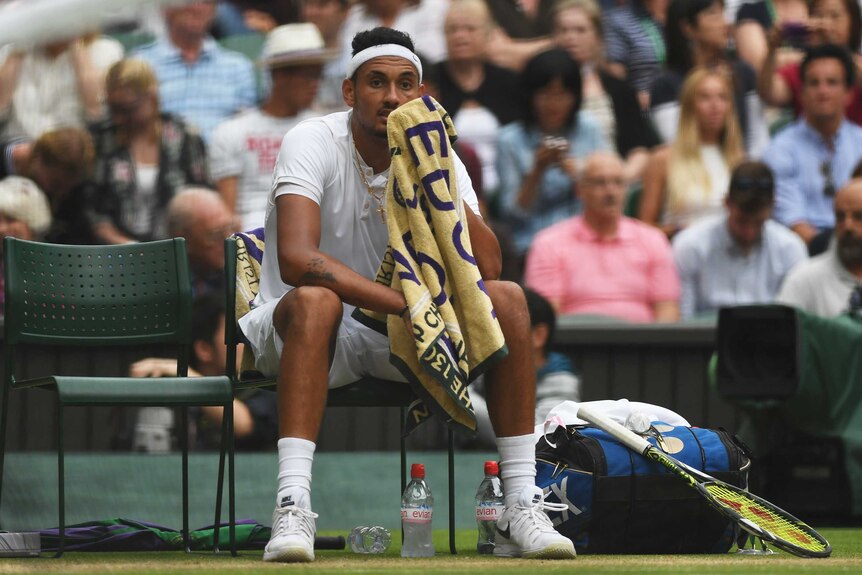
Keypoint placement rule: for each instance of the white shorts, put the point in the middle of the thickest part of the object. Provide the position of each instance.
(359, 351)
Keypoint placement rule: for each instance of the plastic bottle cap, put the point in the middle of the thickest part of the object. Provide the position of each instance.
(491, 468)
(417, 471)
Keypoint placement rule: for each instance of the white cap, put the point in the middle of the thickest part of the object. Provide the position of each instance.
(295, 45)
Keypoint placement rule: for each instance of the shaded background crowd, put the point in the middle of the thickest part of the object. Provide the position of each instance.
(641, 160)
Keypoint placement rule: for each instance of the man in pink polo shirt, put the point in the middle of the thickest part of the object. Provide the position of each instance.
(601, 262)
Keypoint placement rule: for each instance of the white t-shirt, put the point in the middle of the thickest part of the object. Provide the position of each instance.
(47, 96)
(480, 127)
(317, 161)
(246, 146)
(821, 285)
(703, 204)
(140, 211)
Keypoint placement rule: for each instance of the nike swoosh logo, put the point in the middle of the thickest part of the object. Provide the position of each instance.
(507, 533)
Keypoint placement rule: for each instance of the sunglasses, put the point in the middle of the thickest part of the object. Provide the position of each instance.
(125, 109)
(829, 184)
(743, 183)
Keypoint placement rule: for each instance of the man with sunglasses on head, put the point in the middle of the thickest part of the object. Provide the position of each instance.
(740, 257)
(814, 156)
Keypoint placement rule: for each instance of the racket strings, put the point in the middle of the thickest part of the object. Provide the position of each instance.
(765, 517)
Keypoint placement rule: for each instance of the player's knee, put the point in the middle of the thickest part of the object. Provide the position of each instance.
(310, 308)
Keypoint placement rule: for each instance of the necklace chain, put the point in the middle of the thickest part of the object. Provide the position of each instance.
(381, 209)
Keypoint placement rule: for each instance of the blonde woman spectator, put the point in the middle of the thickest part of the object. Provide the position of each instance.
(55, 85)
(142, 158)
(612, 101)
(688, 180)
(697, 35)
(480, 96)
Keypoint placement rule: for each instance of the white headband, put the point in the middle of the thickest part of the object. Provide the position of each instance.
(383, 50)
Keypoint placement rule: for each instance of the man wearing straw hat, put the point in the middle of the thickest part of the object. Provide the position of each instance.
(243, 149)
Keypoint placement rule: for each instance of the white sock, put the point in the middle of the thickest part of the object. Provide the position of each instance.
(294, 471)
(517, 465)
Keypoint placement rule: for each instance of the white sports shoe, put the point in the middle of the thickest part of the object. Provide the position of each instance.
(525, 530)
(292, 539)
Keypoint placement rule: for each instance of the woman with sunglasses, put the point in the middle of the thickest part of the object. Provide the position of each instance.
(143, 157)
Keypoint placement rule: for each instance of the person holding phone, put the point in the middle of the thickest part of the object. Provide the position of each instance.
(537, 157)
(755, 19)
(836, 22)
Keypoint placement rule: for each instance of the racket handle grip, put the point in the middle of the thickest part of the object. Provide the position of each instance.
(625, 436)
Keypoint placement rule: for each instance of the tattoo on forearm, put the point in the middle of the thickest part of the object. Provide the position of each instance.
(317, 273)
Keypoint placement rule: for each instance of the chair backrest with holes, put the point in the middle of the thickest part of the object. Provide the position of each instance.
(97, 295)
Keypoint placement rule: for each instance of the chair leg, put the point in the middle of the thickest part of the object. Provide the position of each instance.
(452, 492)
(227, 448)
(61, 483)
(184, 442)
(231, 479)
(220, 482)
(3, 418)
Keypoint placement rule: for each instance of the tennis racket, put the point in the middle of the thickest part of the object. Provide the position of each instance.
(754, 514)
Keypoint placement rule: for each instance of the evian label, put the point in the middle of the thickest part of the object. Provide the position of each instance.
(489, 512)
(416, 514)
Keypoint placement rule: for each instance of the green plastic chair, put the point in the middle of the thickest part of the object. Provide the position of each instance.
(128, 295)
(367, 392)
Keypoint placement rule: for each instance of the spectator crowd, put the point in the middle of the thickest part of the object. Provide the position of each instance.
(644, 160)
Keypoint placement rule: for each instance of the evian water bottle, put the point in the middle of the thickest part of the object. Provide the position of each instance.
(489, 507)
(417, 507)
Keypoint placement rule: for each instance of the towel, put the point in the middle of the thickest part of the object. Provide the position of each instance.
(456, 335)
(249, 255)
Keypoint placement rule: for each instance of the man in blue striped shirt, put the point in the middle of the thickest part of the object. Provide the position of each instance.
(198, 79)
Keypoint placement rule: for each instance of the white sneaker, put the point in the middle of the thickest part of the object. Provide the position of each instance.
(525, 530)
(292, 539)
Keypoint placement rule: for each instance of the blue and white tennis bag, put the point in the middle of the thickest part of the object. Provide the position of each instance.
(619, 502)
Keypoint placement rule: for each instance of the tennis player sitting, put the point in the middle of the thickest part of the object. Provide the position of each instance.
(326, 235)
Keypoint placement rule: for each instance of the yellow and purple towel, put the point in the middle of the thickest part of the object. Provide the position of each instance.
(456, 335)
(249, 258)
